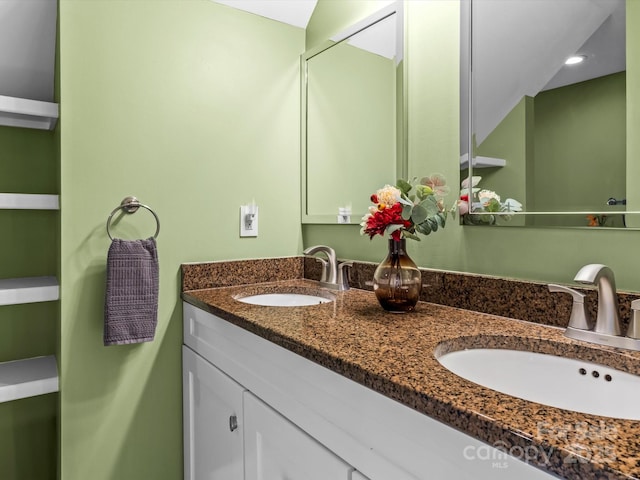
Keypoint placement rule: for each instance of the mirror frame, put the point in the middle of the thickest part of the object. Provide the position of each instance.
(466, 113)
(401, 107)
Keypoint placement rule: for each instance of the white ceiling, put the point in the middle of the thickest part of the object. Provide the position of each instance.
(293, 12)
(605, 51)
(379, 38)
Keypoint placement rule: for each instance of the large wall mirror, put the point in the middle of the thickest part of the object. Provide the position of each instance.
(352, 118)
(544, 91)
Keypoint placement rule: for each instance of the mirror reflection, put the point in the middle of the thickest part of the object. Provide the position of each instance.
(350, 117)
(548, 109)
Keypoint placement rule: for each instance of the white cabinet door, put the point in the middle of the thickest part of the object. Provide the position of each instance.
(275, 449)
(213, 437)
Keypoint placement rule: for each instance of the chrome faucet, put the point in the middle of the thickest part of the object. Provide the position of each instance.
(333, 276)
(608, 320)
(607, 329)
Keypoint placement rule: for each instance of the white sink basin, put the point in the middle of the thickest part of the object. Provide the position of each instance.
(284, 299)
(566, 383)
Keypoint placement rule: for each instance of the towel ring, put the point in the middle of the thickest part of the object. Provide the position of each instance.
(131, 205)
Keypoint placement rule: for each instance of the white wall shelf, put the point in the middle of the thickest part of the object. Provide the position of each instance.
(26, 113)
(481, 162)
(28, 378)
(28, 201)
(14, 291)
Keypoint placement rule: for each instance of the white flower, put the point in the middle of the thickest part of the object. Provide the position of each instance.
(388, 195)
(485, 196)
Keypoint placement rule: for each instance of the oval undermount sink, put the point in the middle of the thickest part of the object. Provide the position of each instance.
(284, 299)
(575, 385)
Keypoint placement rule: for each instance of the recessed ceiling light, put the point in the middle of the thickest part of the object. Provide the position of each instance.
(575, 59)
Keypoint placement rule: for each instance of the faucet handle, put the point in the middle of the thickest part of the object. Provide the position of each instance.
(325, 269)
(343, 275)
(634, 322)
(580, 317)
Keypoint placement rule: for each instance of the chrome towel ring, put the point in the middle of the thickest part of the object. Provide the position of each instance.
(131, 205)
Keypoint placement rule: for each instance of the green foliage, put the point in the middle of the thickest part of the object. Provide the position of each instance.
(431, 205)
(404, 186)
(422, 209)
(419, 214)
(492, 206)
(406, 212)
(421, 206)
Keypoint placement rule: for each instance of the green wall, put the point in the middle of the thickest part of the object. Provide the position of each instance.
(565, 150)
(511, 140)
(28, 247)
(580, 145)
(543, 254)
(193, 107)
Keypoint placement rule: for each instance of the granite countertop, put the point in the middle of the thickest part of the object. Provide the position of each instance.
(395, 354)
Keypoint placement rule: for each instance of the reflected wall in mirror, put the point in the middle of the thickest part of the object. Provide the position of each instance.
(549, 134)
(352, 118)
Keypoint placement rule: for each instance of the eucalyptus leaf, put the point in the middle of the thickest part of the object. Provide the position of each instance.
(403, 186)
(412, 236)
(431, 205)
(406, 211)
(419, 214)
(424, 228)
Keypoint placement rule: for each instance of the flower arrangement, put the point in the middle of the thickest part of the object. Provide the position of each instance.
(408, 209)
(484, 202)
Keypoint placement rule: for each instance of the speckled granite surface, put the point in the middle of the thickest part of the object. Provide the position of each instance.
(196, 276)
(396, 356)
(523, 300)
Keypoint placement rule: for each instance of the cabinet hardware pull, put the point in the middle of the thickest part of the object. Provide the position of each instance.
(233, 422)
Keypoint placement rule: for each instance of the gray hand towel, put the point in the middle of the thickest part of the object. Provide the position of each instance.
(131, 298)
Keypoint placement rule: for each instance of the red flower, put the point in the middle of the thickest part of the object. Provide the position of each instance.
(378, 222)
(374, 198)
(464, 198)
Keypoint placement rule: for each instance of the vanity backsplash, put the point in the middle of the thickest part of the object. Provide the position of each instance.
(524, 300)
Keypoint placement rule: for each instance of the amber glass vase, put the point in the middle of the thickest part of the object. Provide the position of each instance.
(397, 280)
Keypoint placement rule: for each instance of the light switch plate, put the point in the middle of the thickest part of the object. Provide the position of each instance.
(249, 221)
